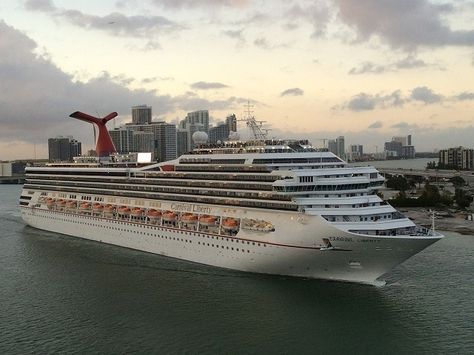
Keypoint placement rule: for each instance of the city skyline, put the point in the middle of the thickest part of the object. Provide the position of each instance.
(312, 69)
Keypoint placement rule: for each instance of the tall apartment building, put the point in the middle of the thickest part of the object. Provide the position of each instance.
(221, 131)
(459, 158)
(158, 138)
(337, 146)
(193, 122)
(63, 149)
(122, 138)
(141, 114)
(400, 147)
(181, 142)
(166, 141)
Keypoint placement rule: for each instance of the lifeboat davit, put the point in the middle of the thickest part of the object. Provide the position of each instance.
(230, 224)
(153, 214)
(123, 211)
(189, 218)
(169, 216)
(207, 220)
(137, 212)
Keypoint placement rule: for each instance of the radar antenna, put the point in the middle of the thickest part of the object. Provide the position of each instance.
(255, 126)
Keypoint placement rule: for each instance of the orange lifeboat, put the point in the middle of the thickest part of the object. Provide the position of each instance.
(97, 208)
(230, 224)
(50, 202)
(207, 220)
(169, 216)
(61, 203)
(189, 218)
(153, 214)
(137, 212)
(123, 211)
(109, 208)
(70, 205)
(85, 206)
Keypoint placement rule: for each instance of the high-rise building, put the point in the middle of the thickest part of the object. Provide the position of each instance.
(122, 138)
(337, 146)
(393, 149)
(400, 147)
(457, 158)
(141, 114)
(181, 142)
(166, 141)
(63, 149)
(160, 139)
(221, 131)
(143, 142)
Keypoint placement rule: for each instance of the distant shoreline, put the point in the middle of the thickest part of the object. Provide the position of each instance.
(452, 222)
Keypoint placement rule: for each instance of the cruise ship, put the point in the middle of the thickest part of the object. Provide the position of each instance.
(266, 206)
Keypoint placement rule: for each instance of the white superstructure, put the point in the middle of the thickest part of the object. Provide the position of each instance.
(266, 206)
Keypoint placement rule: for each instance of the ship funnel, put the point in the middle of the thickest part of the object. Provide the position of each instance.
(104, 145)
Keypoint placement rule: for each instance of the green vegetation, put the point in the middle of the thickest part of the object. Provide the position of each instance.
(430, 197)
(463, 198)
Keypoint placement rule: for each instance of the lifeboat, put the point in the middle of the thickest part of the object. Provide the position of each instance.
(153, 214)
(85, 206)
(70, 205)
(230, 224)
(189, 218)
(169, 216)
(137, 212)
(61, 203)
(109, 210)
(50, 202)
(123, 211)
(207, 220)
(97, 208)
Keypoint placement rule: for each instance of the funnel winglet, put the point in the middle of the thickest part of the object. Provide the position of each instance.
(104, 146)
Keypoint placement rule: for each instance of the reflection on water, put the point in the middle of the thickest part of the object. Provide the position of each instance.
(62, 294)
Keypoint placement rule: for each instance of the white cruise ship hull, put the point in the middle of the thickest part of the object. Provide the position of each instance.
(295, 248)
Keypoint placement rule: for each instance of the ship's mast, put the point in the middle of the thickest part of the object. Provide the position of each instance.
(255, 126)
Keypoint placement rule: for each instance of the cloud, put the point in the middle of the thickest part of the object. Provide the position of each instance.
(156, 78)
(292, 92)
(404, 24)
(37, 97)
(204, 85)
(375, 125)
(263, 43)
(409, 62)
(426, 95)
(40, 5)
(367, 102)
(404, 126)
(464, 96)
(201, 3)
(115, 23)
(317, 14)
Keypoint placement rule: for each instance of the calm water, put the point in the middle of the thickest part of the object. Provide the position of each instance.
(59, 294)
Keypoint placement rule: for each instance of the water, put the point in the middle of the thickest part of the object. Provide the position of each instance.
(60, 294)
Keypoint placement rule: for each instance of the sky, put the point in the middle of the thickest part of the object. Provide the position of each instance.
(364, 69)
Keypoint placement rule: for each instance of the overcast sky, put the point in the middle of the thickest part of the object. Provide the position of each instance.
(366, 69)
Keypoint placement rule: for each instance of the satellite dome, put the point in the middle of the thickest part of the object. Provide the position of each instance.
(199, 137)
(234, 136)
